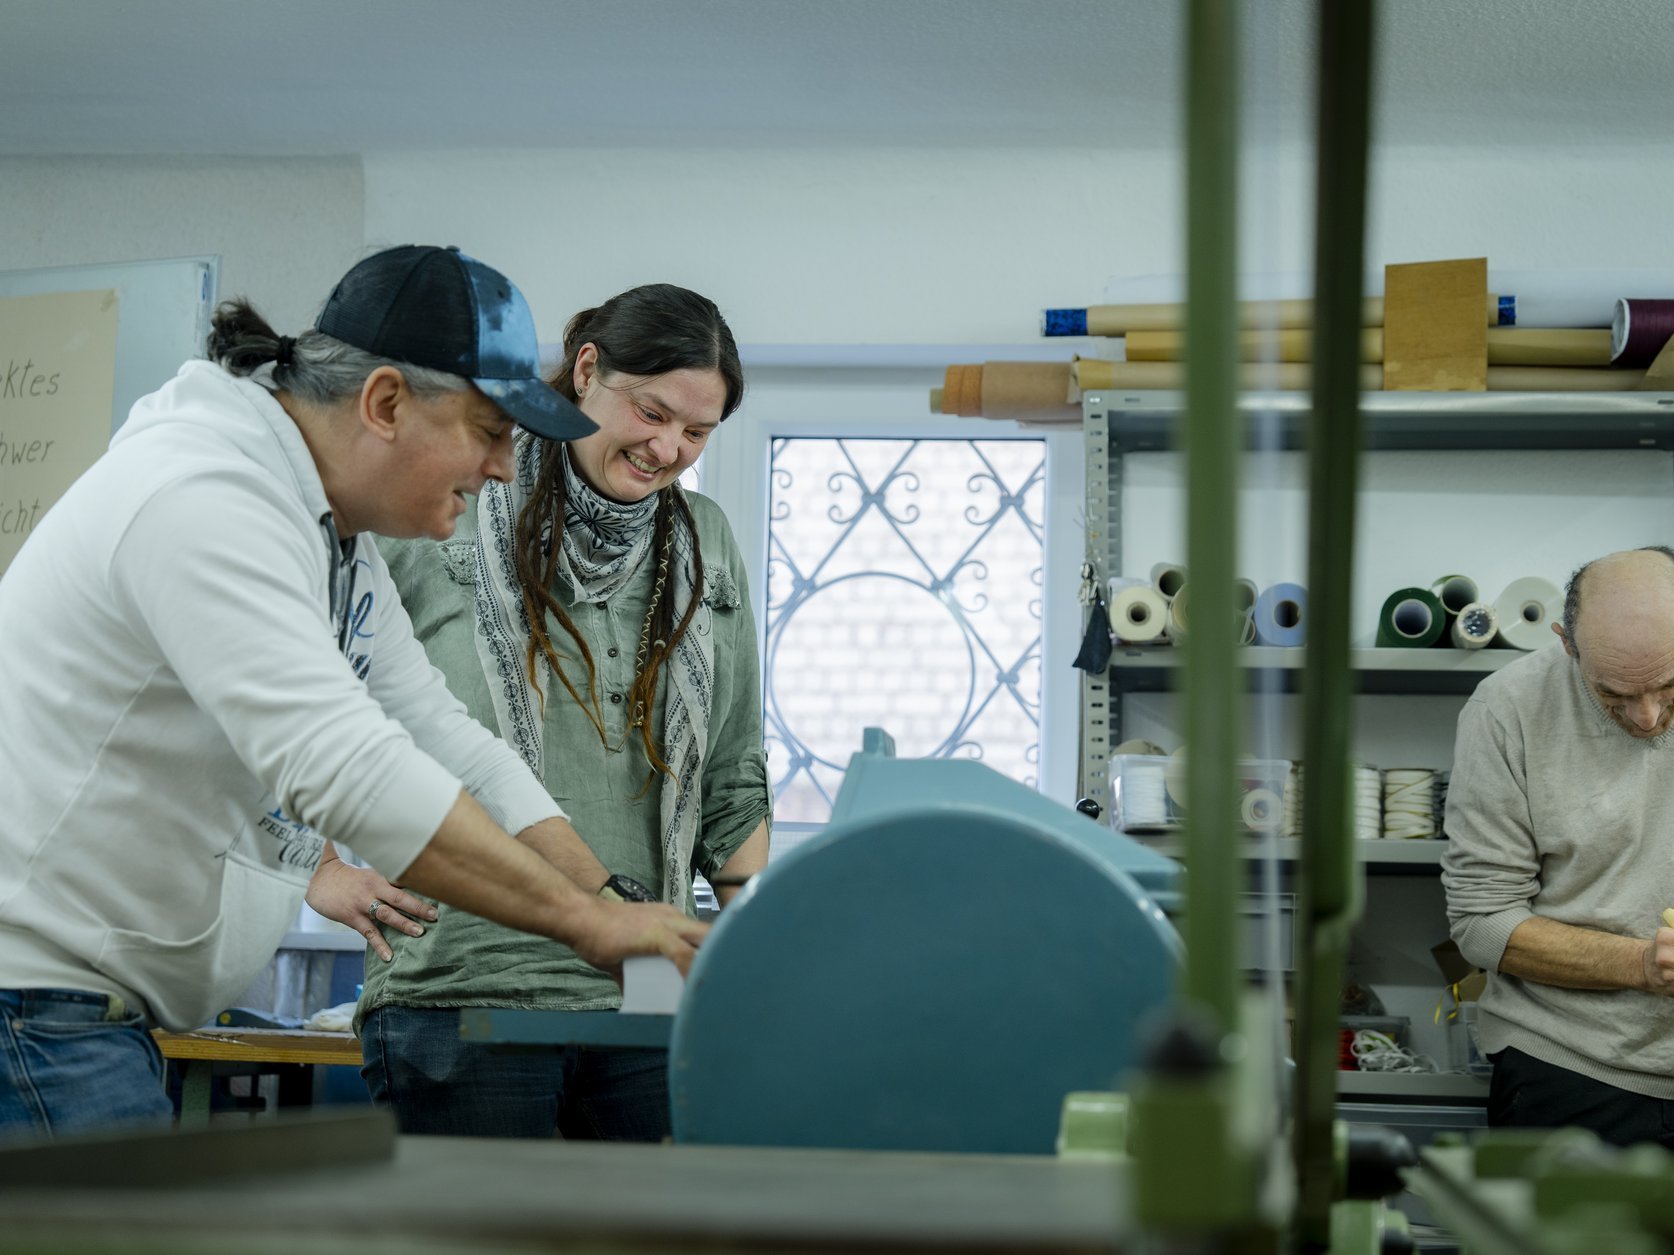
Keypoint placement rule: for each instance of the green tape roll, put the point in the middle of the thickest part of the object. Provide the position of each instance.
(1412, 618)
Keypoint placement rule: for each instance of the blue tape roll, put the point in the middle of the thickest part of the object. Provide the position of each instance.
(1063, 322)
(1281, 616)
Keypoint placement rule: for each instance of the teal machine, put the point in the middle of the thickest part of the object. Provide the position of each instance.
(935, 971)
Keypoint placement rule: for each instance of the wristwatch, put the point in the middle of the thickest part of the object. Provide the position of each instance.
(621, 888)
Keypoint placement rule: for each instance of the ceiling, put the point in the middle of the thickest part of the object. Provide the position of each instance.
(270, 77)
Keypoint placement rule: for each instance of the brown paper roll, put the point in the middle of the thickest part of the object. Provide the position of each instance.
(1561, 379)
(936, 395)
(1026, 390)
(1507, 346)
(962, 391)
(1253, 346)
(1548, 346)
(1092, 375)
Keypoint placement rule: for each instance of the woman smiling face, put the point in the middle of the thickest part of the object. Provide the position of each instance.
(651, 427)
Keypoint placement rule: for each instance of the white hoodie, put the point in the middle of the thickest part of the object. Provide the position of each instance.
(183, 715)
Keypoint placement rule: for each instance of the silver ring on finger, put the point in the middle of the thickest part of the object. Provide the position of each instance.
(373, 909)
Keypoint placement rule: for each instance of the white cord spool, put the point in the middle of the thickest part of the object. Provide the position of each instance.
(1409, 806)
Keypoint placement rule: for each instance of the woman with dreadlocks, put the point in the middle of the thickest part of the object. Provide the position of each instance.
(594, 613)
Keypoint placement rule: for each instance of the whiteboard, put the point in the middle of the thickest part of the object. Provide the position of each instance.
(162, 320)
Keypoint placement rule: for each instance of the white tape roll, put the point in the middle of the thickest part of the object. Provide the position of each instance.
(1168, 578)
(1475, 625)
(1177, 609)
(1526, 611)
(1261, 810)
(1138, 615)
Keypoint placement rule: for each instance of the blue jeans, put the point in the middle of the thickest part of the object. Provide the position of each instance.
(436, 1083)
(71, 1061)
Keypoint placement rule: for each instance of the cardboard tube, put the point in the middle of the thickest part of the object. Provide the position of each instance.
(937, 395)
(1474, 626)
(1094, 375)
(1168, 578)
(1025, 390)
(1253, 346)
(1289, 315)
(1548, 346)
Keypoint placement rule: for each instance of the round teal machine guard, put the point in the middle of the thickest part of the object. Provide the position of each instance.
(934, 979)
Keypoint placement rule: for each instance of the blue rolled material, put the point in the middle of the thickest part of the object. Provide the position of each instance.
(1281, 616)
(1063, 322)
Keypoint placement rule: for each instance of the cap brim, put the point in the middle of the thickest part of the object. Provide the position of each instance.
(536, 407)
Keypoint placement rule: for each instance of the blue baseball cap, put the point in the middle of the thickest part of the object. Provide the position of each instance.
(439, 308)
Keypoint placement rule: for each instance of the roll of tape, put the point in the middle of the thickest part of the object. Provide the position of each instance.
(1244, 594)
(1455, 592)
(1177, 608)
(1261, 810)
(1149, 749)
(1526, 611)
(1412, 618)
(1474, 626)
(1281, 616)
(1174, 778)
(1168, 578)
(1138, 615)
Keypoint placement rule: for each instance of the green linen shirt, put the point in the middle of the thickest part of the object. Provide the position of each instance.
(465, 961)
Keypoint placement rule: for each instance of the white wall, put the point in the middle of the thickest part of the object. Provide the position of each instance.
(285, 229)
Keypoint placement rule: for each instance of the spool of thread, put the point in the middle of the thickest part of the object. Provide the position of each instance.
(1168, 578)
(1368, 803)
(1412, 618)
(1138, 615)
(1474, 626)
(1281, 616)
(1261, 810)
(1639, 330)
(1526, 610)
(1409, 807)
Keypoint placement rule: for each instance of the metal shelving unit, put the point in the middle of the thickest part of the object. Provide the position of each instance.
(1118, 423)
(1115, 424)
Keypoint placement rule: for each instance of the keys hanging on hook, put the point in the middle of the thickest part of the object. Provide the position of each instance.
(1089, 588)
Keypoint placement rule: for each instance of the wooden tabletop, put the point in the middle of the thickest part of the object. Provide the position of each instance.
(260, 1045)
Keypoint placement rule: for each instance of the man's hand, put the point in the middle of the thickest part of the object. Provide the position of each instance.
(366, 902)
(614, 931)
(1659, 963)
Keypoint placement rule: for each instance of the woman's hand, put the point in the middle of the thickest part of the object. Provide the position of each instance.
(617, 930)
(366, 902)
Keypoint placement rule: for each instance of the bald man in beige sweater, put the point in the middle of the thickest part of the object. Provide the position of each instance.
(1561, 861)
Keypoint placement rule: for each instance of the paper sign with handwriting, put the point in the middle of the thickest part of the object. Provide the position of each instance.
(57, 371)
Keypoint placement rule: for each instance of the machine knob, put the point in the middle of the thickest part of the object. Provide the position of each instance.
(1088, 807)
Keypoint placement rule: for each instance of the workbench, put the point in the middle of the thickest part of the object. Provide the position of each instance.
(329, 1183)
(291, 1054)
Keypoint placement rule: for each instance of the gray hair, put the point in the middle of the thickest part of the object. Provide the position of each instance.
(314, 367)
(325, 371)
(1572, 590)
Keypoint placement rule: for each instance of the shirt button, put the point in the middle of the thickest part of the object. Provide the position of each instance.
(616, 699)
(611, 652)
(598, 605)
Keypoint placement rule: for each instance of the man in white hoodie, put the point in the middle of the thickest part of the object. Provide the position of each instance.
(208, 674)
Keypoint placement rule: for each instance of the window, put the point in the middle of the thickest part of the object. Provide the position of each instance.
(909, 572)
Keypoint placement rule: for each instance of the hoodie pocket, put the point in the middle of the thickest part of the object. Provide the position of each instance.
(184, 983)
